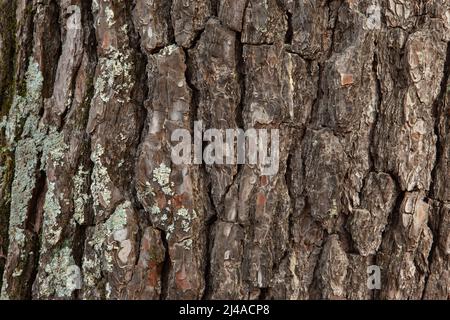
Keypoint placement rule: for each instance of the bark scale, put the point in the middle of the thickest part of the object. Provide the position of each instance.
(92, 207)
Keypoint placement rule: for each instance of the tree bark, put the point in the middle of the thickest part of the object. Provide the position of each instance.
(92, 207)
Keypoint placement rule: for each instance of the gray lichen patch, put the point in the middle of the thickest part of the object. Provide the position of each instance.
(101, 182)
(115, 66)
(155, 210)
(27, 150)
(60, 277)
(109, 16)
(118, 219)
(80, 198)
(148, 190)
(103, 242)
(182, 224)
(52, 211)
(24, 181)
(23, 122)
(23, 115)
(92, 270)
(187, 244)
(54, 149)
(185, 218)
(161, 175)
(108, 256)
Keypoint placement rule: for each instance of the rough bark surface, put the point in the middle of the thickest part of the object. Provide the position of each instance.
(92, 207)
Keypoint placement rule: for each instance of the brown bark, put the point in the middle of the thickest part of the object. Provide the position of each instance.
(92, 207)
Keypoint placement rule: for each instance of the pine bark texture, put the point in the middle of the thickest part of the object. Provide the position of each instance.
(91, 91)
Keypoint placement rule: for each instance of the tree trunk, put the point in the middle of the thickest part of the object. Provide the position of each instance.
(92, 207)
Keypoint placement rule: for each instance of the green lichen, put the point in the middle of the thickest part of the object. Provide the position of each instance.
(182, 218)
(51, 228)
(116, 65)
(103, 241)
(183, 213)
(161, 175)
(91, 270)
(145, 192)
(23, 117)
(187, 244)
(25, 135)
(186, 218)
(125, 29)
(95, 6)
(54, 148)
(155, 210)
(118, 219)
(28, 104)
(4, 295)
(109, 16)
(333, 212)
(22, 187)
(293, 269)
(167, 51)
(80, 198)
(169, 231)
(61, 276)
(185, 225)
(108, 290)
(101, 182)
